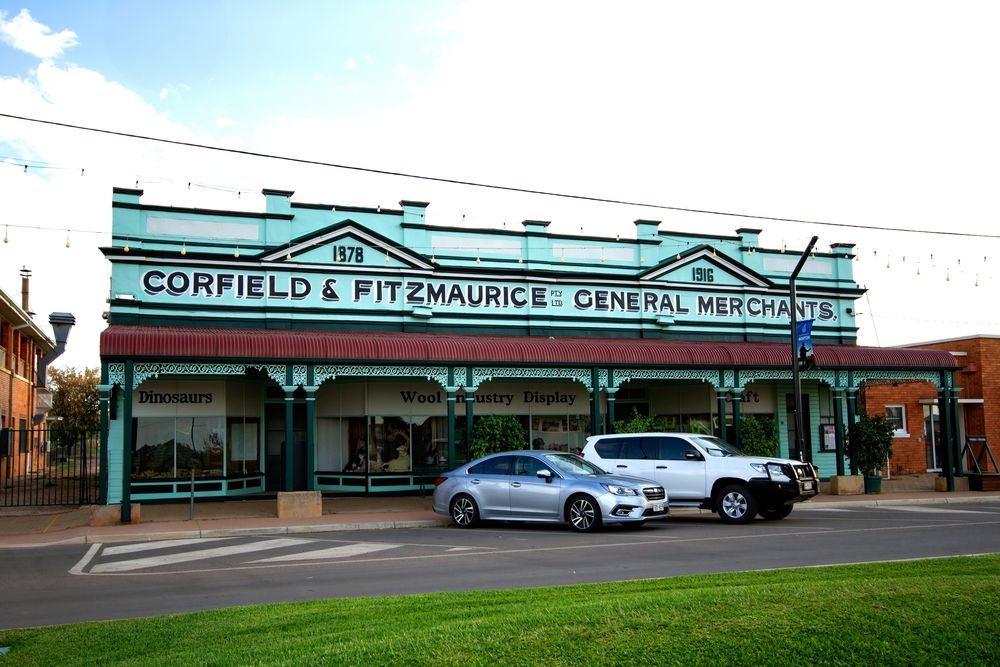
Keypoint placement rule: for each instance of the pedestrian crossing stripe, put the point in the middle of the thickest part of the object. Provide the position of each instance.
(188, 556)
(359, 549)
(160, 544)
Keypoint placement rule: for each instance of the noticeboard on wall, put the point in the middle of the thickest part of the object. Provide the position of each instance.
(827, 438)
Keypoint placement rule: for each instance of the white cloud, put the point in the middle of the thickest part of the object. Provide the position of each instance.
(408, 76)
(26, 34)
(350, 64)
(223, 121)
(173, 90)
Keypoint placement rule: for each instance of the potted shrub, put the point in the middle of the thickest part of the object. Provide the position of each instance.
(870, 446)
(637, 423)
(496, 433)
(757, 436)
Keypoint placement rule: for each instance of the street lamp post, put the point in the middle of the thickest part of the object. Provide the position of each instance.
(796, 381)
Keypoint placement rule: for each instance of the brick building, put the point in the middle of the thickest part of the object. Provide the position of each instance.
(22, 346)
(913, 407)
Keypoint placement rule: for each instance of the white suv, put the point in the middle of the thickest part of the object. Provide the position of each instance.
(704, 471)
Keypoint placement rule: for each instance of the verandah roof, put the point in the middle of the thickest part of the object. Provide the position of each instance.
(191, 343)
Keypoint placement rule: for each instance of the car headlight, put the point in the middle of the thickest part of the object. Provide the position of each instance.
(777, 473)
(620, 490)
(759, 467)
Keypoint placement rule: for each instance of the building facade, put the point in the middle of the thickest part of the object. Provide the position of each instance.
(350, 350)
(913, 407)
(22, 403)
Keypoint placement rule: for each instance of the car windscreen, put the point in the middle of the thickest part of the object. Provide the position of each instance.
(715, 447)
(572, 465)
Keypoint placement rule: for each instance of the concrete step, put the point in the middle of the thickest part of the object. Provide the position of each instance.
(909, 483)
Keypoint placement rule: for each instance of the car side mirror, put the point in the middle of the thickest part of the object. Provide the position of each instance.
(544, 474)
(692, 456)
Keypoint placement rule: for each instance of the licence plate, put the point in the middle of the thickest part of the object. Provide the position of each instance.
(657, 507)
(808, 486)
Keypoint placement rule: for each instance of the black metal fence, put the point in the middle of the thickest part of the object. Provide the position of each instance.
(49, 467)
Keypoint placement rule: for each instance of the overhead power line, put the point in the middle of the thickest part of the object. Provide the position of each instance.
(475, 184)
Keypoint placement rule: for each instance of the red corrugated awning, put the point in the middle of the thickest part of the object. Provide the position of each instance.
(260, 345)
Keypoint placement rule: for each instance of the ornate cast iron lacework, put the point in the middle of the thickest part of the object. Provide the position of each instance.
(898, 376)
(437, 374)
(145, 372)
(623, 375)
(581, 375)
(116, 374)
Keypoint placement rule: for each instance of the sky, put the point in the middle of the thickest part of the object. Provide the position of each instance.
(875, 121)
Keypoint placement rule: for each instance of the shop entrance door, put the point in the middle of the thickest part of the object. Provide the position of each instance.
(278, 455)
(793, 452)
(932, 438)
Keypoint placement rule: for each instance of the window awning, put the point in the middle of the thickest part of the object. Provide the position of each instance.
(149, 343)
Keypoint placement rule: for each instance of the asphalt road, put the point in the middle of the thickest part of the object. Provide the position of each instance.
(73, 583)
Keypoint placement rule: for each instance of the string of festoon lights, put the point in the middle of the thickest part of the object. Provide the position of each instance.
(976, 271)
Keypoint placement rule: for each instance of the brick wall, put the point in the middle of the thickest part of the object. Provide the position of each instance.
(978, 378)
(909, 454)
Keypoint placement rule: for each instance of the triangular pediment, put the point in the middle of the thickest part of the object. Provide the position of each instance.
(705, 265)
(347, 243)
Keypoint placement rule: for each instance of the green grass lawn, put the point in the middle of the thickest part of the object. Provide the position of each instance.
(941, 611)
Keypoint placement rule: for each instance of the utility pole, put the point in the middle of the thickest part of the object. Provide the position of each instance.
(796, 381)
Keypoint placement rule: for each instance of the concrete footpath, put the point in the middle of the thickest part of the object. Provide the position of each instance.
(41, 526)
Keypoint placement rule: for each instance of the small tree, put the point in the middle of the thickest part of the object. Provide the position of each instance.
(757, 436)
(870, 444)
(496, 433)
(75, 401)
(637, 423)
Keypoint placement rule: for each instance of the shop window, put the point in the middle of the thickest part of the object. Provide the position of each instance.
(153, 449)
(393, 444)
(701, 424)
(201, 446)
(174, 446)
(429, 439)
(390, 450)
(244, 446)
(564, 433)
(896, 414)
(629, 399)
(342, 444)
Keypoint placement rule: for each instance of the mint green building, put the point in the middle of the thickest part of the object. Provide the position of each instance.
(349, 350)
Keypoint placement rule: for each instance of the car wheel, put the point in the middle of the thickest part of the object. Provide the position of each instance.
(775, 513)
(735, 504)
(583, 514)
(464, 512)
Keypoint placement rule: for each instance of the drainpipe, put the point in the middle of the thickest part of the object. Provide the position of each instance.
(61, 324)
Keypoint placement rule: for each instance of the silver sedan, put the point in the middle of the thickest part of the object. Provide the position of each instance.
(546, 486)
